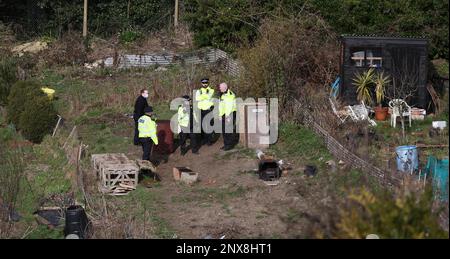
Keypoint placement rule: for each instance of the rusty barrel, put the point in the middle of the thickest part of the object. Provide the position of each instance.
(165, 137)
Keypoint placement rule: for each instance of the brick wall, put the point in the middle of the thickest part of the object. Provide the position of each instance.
(207, 56)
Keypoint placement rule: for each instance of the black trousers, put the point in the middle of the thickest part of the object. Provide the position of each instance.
(147, 144)
(206, 137)
(184, 135)
(230, 139)
(136, 131)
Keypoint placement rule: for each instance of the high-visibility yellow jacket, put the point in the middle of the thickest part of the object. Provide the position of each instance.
(183, 117)
(147, 128)
(204, 98)
(227, 103)
(49, 92)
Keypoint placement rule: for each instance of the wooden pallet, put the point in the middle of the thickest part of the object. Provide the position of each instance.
(116, 174)
(113, 158)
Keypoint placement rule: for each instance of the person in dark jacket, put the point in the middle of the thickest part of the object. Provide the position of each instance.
(139, 110)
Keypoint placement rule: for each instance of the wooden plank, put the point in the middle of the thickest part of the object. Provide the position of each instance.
(431, 146)
(43, 221)
(126, 186)
(119, 194)
(57, 125)
(434, 98)
(146, 165)
(70, 135)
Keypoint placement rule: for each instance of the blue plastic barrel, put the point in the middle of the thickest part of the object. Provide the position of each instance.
(407, 158)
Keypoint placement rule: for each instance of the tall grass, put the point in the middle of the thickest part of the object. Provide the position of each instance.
(8, 70)
(12, 170)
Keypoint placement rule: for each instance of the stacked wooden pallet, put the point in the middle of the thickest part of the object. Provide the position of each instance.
(116, 173)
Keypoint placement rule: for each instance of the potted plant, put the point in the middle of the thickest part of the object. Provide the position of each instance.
(380, 81)
(368, 82)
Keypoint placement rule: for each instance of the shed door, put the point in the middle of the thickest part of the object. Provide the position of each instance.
(405, 71)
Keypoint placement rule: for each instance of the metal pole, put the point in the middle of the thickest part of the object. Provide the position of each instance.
(85, 19)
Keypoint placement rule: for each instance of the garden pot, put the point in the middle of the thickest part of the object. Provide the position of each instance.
(381, 113)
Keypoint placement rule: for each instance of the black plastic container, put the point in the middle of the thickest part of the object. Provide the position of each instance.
(310, 170)
(269, 170)
(76, 222)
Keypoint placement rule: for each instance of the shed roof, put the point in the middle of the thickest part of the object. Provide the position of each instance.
(383, 37)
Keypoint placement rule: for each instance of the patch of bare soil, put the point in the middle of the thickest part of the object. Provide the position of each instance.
(230, 201)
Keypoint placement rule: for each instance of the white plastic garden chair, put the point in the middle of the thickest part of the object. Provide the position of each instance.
(399, 108)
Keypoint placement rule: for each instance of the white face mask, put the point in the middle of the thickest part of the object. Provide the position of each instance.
(145, 95)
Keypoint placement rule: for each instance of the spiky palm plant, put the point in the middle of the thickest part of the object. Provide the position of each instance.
(380, 81)
(364, 83)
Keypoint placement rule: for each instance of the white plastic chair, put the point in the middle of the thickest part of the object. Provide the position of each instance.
(399, 108)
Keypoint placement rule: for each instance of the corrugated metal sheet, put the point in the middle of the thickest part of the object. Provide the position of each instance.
(207, 56)
(385, 36)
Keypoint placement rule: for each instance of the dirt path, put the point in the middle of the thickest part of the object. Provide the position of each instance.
(229, 200)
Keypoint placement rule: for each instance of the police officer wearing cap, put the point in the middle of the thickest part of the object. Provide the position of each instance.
(204, 96)
(147, 132)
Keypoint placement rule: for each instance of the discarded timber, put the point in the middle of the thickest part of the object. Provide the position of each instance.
(111, 174)
(431, 146)
(117, 174)
(146, 165)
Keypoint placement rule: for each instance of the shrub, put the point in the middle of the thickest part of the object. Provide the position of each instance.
(290, 54)
(8, 77)
(408, 215)
(21, 92)
(30, 110)
(223, 24)
(37, 119)
(129, 36)
(69, 50)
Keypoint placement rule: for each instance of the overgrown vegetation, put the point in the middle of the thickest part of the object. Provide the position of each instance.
(31, 176)
(129, 36)
(8, 77)
(224, 24)
(69, 50)
(405, 17)
(30, 110)
(12, 170)
(288, 50)
(106, 18)
(37, 119)
(229, 24)
(298, 141)
(289, 57)
(409, 215)
(20, 93)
